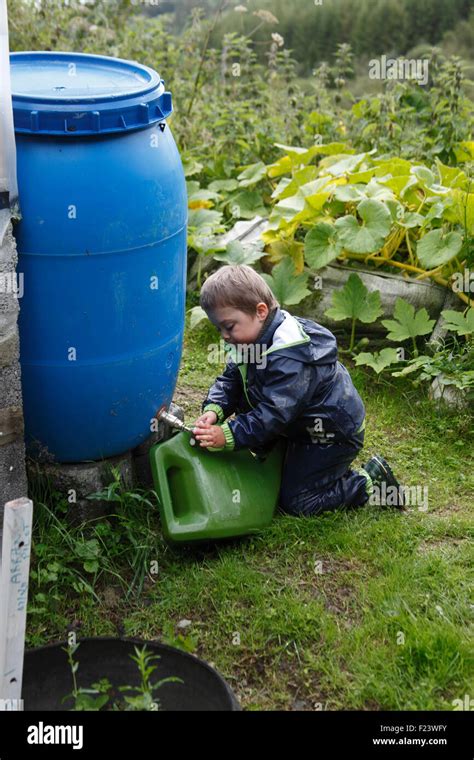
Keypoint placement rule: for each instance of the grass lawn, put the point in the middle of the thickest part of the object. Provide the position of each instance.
(364, 609)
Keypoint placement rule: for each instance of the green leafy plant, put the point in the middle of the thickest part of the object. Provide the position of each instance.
(197, 315)
(438, 247)
(384, 212)
(371, 234)
(322, 245)
(407, 325)
(99, 694)
(461, 324)
(145, 698)
(287, 287)
(187, 642)
(378, 361)
(85, 698)
(448, 364)
(134, 523)
(237, 253)
(449, 361)
(354, 302)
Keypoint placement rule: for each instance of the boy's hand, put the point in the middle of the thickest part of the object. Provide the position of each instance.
(209, 435)
(208, 418)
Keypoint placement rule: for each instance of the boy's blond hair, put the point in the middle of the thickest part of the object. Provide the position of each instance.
(238, 286)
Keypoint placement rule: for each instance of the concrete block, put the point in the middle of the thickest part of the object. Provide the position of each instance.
(10, 386)
(77, 481)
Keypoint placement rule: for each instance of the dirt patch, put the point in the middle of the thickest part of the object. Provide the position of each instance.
(190, 400)
(276, 682)
(333, 582)
(444, 545)
(447, 511)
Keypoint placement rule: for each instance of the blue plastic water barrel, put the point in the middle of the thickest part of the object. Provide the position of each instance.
(102, 251)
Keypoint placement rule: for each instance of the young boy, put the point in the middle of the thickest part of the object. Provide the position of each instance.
(289, 383)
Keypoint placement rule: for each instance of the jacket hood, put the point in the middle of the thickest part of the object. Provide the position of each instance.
(299, 338)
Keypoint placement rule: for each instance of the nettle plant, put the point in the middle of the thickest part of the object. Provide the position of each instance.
(386, 213)
(413, 121)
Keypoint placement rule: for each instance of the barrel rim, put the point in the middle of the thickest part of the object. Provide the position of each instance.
(90, 114)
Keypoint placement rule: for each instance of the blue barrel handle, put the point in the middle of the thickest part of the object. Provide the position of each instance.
(164, 106)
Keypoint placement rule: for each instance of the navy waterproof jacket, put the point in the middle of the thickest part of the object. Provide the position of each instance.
(290, 383)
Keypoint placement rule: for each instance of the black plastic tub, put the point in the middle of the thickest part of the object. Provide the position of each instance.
(47, 675)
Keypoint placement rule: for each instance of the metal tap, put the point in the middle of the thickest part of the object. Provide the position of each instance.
(175, 422)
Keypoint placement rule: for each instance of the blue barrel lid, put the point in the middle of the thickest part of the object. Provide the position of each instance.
(76, 94)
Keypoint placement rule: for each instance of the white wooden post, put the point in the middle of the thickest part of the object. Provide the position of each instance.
(16, 546)
(8, 178)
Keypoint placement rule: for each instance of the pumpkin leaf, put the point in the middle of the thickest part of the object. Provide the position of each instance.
(287, 287)
(404, 218)
(370, 236)
(252, 174)
(200, 197)
(438, 247)
(399, 184)
(191, 166)
(288, 208)
(407, 324)
(341, 164)
(378, 361)
(280, 249)
(282, 166)
(349, 193)
(295, 157)
(377, 192)
(237, 253)
(197, 314)
(436, 211)
(451, 176)
(354, 301)
(314, 203)
(282, 188)
(287, 186)
(457, 322)
(197, 193)
(394, 166)
(321, 245)
(330, 149)
(293, 150)
(227, 185)
(363, 176)
(247, 204)
(203, 224)
(463, 209)
(203, 218)
(424, 175)
(411, 219)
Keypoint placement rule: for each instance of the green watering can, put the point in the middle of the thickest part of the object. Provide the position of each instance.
(214, 494)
